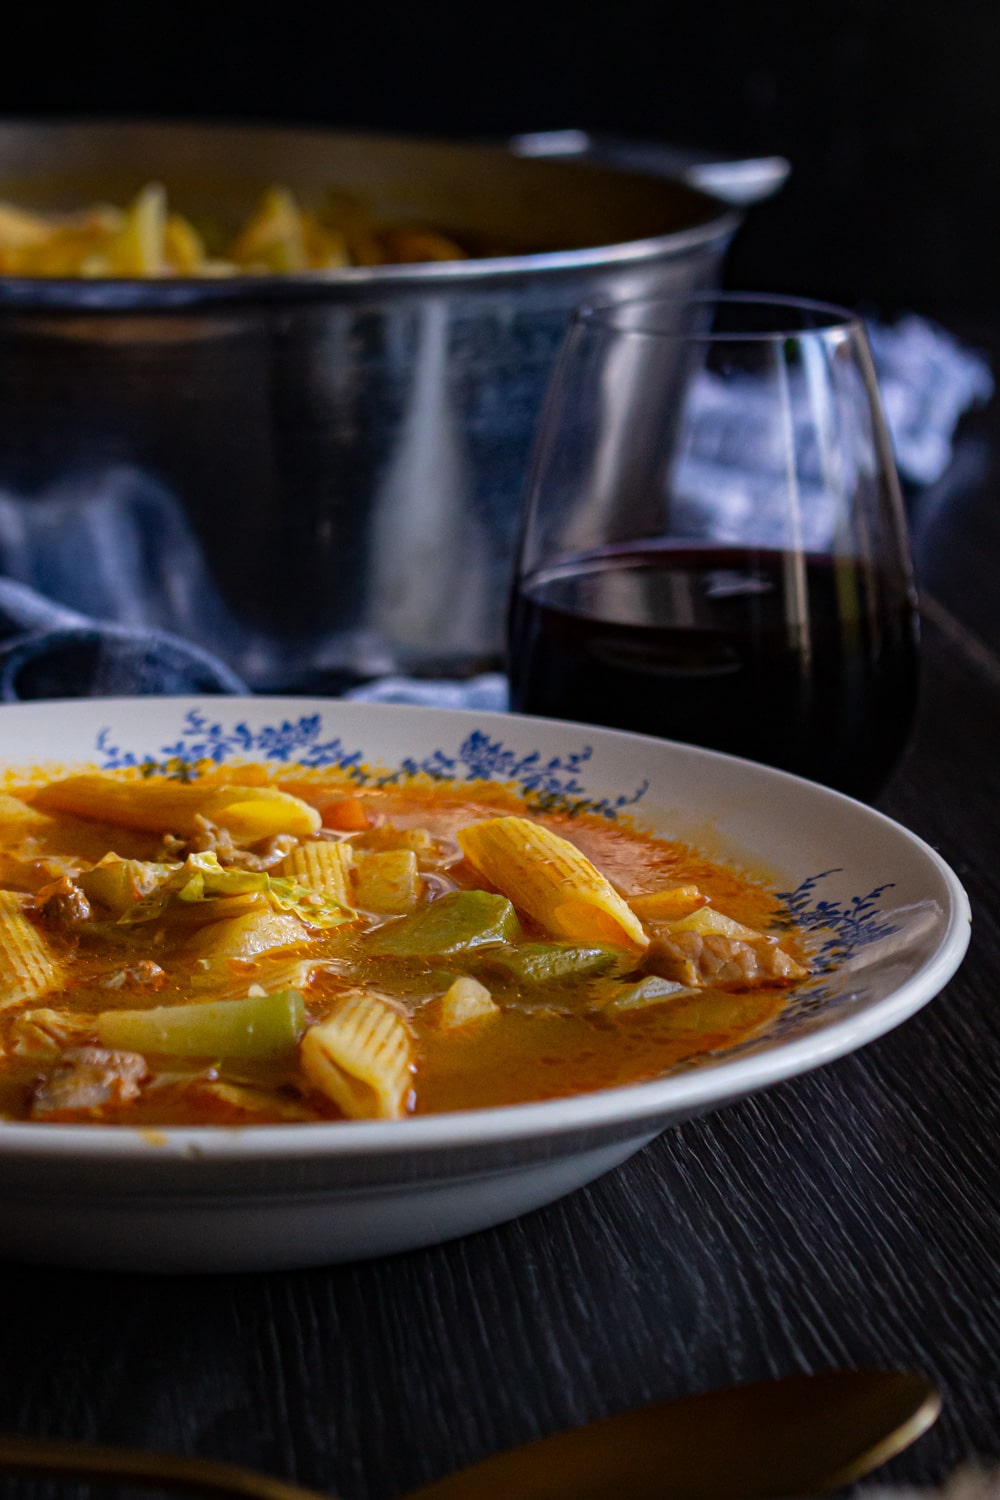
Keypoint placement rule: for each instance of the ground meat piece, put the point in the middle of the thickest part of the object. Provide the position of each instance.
(265, 855)
(86, 1081)
(63, 905)
(711, 959)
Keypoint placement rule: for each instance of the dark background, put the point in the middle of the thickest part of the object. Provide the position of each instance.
(890, 113)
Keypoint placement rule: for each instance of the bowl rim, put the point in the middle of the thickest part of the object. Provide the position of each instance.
(640, 1104)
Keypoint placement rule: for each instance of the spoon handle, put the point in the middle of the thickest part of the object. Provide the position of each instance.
(53, 1458)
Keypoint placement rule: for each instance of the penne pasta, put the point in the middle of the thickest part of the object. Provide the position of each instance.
(549, 878)
(146, 239)
(669, 905)
(248, 813)
(139, 248)
(275, 237)
(184, 248)
(17, 814)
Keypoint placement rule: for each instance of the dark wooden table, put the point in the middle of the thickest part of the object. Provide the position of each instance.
(849, 1217)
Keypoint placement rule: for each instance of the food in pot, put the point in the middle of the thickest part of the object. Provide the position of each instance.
(148, 239)
(241, 950)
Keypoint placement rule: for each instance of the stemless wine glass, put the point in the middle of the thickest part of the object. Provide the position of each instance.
(714, 548)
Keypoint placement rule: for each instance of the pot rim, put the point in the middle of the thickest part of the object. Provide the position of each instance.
(171, 294)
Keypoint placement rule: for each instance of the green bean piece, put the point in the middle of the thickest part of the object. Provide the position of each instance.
(260, 1026)
(459, 922)
(550, 963)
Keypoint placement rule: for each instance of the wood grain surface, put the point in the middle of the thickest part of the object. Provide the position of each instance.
(848, 1217)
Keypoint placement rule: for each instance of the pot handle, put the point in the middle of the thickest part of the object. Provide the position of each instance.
(736, 180)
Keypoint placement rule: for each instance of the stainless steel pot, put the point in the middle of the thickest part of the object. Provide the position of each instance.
(318, 476)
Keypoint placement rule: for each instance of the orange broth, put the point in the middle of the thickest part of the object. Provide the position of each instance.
(540, 1045)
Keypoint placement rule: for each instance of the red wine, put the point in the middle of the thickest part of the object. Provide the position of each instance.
(803, 662)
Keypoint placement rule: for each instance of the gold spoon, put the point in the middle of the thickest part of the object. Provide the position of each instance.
(802, 1436)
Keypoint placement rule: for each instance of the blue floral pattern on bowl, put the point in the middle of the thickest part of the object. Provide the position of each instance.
(548, 783)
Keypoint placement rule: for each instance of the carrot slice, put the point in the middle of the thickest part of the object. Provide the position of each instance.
(346, 815)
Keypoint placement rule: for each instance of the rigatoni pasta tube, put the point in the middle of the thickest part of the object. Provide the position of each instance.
(550, 879)
(324, 868)
(361, 1057)
(248, 813)
(28, 966)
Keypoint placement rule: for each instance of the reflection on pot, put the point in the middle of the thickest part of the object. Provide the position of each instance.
(342, 453)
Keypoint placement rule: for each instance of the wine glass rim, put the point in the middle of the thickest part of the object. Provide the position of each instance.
(835, 319)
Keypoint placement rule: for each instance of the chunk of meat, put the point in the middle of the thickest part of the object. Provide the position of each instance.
(63, 905)
(87, 1082)
(696, 959)
(211, 839)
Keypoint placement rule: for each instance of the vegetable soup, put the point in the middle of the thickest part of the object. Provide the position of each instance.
(240, 950)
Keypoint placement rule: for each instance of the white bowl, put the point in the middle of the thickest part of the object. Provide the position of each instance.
(890, 920)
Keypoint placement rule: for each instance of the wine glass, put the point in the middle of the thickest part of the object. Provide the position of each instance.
(714, 548)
